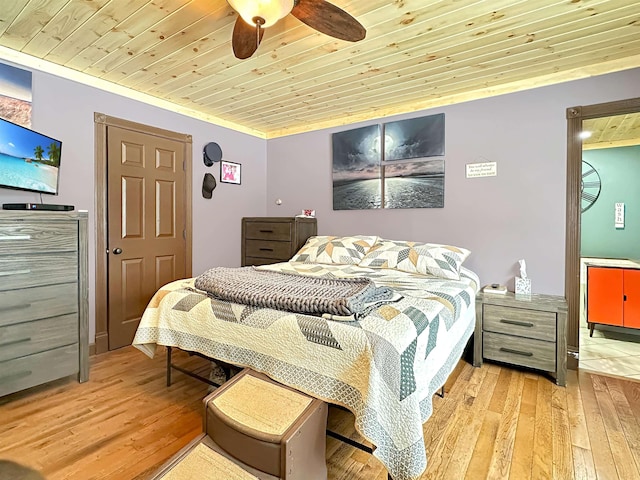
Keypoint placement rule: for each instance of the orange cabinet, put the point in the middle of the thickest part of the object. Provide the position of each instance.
(632, 298)
(613, 297)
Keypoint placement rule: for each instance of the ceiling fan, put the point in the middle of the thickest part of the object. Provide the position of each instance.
(256, 15)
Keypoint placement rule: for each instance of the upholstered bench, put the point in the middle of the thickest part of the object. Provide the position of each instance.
(255, 428)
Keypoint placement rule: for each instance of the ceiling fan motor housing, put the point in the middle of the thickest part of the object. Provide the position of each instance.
(267, 11)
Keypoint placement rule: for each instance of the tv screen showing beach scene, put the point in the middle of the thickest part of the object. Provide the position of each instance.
(28, 159)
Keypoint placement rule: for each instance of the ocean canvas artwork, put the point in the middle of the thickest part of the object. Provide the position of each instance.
(414, 184)
(414, 138)
(356, 169)
(394, 165)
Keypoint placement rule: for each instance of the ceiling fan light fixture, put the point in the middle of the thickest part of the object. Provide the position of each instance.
(262, 12)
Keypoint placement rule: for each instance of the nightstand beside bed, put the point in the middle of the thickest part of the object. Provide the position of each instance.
(524, 331)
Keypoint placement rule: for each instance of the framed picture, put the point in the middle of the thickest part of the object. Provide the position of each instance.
(230, 172)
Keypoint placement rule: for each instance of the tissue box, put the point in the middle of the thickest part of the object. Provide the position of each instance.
(523, 286)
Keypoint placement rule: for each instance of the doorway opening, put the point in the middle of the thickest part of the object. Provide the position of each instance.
(576, 116)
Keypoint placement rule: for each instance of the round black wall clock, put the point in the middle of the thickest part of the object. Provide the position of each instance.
(590, 186)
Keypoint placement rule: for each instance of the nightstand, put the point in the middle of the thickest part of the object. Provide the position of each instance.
(268, 240)
(524, 331)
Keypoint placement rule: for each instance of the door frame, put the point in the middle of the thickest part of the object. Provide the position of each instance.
(101, 122)
(575, 116)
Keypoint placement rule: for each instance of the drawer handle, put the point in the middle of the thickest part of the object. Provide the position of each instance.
(266, 249)
(15, 376)
(516, 322)
(14, 272)
(266, 231)
(15, 237)
(517, 352)
(15, 307)
(15, 342)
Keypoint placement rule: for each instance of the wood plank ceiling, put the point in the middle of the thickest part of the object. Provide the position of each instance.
(417, 54)
(609, 132)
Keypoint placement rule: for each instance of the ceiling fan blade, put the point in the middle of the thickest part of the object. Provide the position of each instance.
(245, 39)
(329, 19)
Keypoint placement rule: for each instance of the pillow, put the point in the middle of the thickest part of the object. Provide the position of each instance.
(442, 261)
(343, 250)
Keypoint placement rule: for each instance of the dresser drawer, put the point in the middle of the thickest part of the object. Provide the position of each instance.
(24, 339)
(20, 271)
(26, 372)
(268, 249)
(280, 231)
(27, 304)
(520, 322)
(30, 237)
(526, 352)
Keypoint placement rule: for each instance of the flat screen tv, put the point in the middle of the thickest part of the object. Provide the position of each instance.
(28, 160)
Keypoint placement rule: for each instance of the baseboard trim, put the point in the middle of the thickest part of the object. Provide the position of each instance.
(102, 343)
(572, 358)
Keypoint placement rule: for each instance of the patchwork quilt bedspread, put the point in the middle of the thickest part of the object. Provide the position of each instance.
(385, 367)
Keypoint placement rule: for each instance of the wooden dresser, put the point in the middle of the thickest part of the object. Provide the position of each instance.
(530, 332)
(274, 239)
(43, 298)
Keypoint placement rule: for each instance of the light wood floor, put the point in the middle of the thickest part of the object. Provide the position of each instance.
(494, 422)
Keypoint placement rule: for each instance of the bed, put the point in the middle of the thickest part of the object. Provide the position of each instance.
(383, 367)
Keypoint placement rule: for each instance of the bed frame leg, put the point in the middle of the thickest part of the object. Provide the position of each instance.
(441, 392)
(168, 366)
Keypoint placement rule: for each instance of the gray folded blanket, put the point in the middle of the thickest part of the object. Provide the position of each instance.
(294, 293)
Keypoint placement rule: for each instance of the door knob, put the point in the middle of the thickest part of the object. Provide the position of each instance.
(117, 251)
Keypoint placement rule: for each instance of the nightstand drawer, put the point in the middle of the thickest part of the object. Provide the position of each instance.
(28, 338)
(526, 352)
(260, 261)
(280, 231)
(520, 322)
(268, 249)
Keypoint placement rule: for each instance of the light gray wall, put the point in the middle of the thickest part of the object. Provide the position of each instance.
(64, 110)
(520, 213)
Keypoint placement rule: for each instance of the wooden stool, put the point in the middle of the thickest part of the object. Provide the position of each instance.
(268, 427)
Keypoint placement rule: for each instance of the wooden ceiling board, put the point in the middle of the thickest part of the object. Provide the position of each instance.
(118, 36)
(510, 60)
(9, 13)
(226, 99)
(105, 20)
(466, 54)
(315, 63)
(126, 57)
(612, 132)
(31, 20)
(401, 101)
(62, 25)
(395, 92)
(416, 53)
